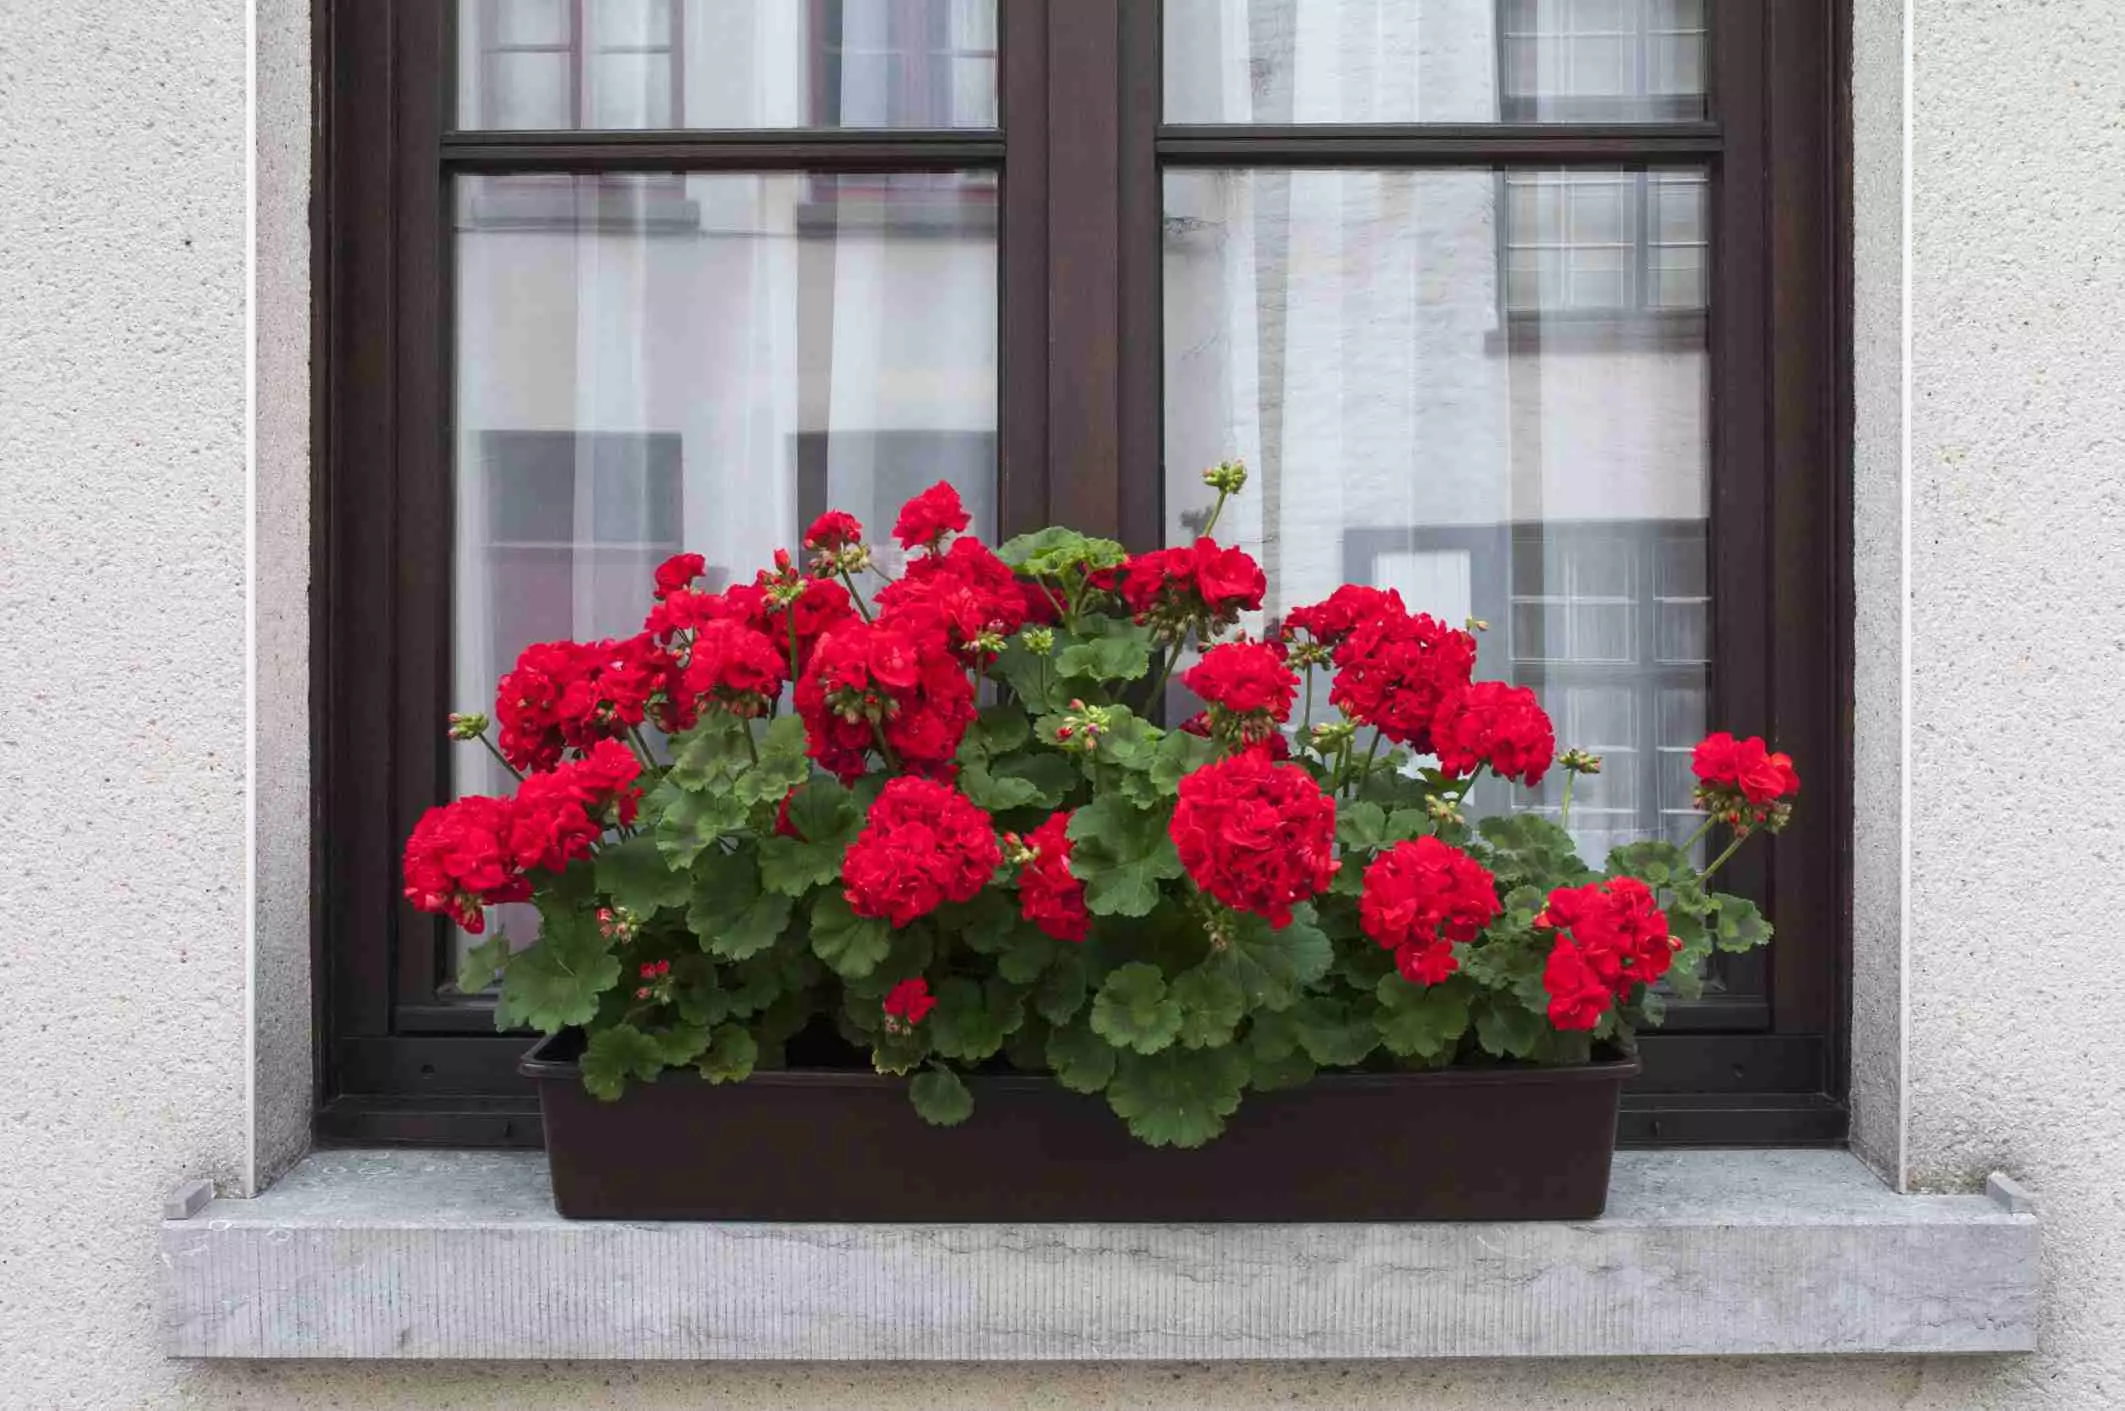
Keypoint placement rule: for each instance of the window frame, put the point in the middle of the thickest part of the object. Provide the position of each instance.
(1079, 440)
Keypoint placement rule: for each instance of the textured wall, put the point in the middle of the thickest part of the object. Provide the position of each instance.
(122, 926)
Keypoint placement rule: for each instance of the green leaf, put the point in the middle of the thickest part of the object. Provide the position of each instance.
(555, 983)
(1133, 1009)
(1278, 1061)
(635, 875)
(730, 1055)
(1273, 966)
(614, 1055)
(999, 795)
(1032, 679)
(1362, 826)
(1211, 1005)
(972, 1020)
(1180, 1097)
(1422, 1021)
(998, 730)
(752, 930)
(851, 945)
(481, 964)
(1178, 755)
(1739, 925)
(1652, 862)
(729, 913)
(940, 1098)
(1507, 1029)
(1050, 552)
(827, 819)
(1105, 659)
(1062, 989)
(1082, 1060)
(1530, 849)
(711, 755)
(1332, 1033)
(689, 824)
(1122, 854)
(783, 763)
(1027, 956)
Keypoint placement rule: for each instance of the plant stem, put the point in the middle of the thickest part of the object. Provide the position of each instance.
(1210, 525)
(1306, 720)
(1720, 861)
(1702, 829)
(1564, 814)
(1165, 674)
(752, 749)
(1371, 752)
(514, 772)
(892, 761)
(789, 614)
(649, 759)
(856, 595)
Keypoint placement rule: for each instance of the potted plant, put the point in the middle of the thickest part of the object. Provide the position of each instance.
(830, 837)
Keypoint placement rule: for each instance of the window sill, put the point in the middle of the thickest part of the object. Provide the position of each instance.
(412, 1254)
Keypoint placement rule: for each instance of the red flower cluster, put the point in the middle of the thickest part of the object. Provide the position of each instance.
(1611, 936)
(765, 605)
(1203, 583)
(1256, 835)
(966, 593)
(1491, 723)
(1729, 766)
(1348, 608)
(908, 1003)
(1271, 746)
(868, 679)
(473, 853)
(833, 531)
(678, 572)
(731, 666)
(925, 520)
(569, 695)
(1245, 679)
(924, 844)
(1421, 899)
(1049, 895)
(1396, 669)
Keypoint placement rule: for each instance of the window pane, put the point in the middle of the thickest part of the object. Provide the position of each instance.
(1342, 331)
(1417, 61)
(703, 362)
(727, 64)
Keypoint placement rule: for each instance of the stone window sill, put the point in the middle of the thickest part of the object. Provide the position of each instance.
(410, 1254)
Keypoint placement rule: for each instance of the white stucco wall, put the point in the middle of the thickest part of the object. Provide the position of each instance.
(124, 936)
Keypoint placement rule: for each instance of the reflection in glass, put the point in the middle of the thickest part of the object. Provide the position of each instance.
(615, 64)
(1538, 459)
(1434, 61)
(705, 362)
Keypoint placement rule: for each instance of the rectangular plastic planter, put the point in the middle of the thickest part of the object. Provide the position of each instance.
(846, 1147)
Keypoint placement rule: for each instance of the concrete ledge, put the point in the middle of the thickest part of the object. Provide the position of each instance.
(408, 1254)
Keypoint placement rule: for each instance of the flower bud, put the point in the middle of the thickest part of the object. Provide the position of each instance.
(1580, 762)
(1227, 477)
(1477, 624)
(469, 725)
(1039, 640)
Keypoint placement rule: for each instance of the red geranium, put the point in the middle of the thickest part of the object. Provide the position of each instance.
(901, 681)
(565, 696)
(1746, 767)
(1049, 895)
(733, 667)
(1394, 670)
(1245, 679)
(1258, 836)
(1346, 609)
(923, 844)
(925, 520)
(1205, 584)
(1617, 933)
(1493, 724)
(1421, 899)
(966, 592)
(909, 1002)
(833, 531)
(1577, 996)
(458, 861)
(558, 815)
(678, 572)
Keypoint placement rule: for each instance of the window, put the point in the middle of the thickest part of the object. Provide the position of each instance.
(1489, 292)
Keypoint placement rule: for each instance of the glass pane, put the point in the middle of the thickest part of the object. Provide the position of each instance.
(705, 362)
(1547, 470)
(727, 64)
(1446, 61)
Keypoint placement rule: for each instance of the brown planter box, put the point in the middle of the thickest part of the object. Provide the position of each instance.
(844, 1145)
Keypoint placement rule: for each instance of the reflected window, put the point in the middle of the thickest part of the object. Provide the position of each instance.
(1606, 241)
(1595, 60)
(555, 64)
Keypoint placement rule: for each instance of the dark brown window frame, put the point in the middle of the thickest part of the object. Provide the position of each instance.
(1080, 433)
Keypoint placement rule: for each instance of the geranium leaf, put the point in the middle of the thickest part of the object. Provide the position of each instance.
(1362, 826)
(1507, 1029)
(688, 824)
(729, 913)
(1332, 1033)
(1421, 1021)
(1082, 1061)
(972, 1020)
(940, 1098)
(1273, 966)
(635, 875)
(851, 945)
(1033, 679)
(730, 1055)
(1105, 659)
(1211, 1005)
(746, 933)
(998, 730)
(1740, 926)
(1050, 552)
(1133, 1009)
(1050, 776)
(615, 1055)
(1061, 993)
(556, 983)
(1180, 1097)
(482, 963)
(1178, 755)
(782, 766)
(998, 795)
(1122, 854)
